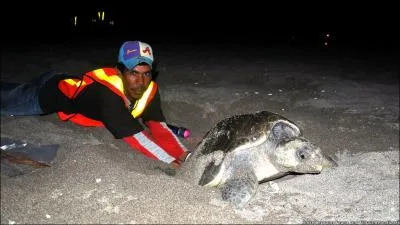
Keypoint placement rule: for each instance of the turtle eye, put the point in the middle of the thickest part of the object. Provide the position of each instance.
(302, 154)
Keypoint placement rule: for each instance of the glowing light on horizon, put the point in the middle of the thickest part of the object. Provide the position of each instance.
(101, 15)
(326, 39)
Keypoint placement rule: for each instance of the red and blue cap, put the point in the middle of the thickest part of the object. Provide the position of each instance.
(132, 53)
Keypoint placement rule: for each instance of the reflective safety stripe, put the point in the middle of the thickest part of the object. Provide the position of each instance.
(115, 80)
(72, 87)
(109, 78)
(141, 104)
(166, 139)
(80, 119)
(75, 83)
(153, 148)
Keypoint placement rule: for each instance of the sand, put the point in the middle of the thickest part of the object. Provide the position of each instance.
(348, 104)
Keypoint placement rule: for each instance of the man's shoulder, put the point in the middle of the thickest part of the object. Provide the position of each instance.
(106, 70)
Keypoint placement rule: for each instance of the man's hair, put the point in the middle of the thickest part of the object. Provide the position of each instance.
(121, 67)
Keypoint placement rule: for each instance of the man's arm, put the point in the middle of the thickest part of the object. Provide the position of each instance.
(154, 119)
(117, 119)
(164, 137)
(122, 125)
(144, 143)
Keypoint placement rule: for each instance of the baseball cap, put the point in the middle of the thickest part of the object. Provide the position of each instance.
(132, 53)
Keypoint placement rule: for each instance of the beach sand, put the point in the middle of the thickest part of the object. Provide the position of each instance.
(346, 104)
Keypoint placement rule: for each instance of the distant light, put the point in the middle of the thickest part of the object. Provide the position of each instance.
(327, 35)
(111, 22)
(100, 15)
(326, 43)
(75, 20)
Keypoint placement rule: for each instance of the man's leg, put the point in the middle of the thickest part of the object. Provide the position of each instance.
(22, 99)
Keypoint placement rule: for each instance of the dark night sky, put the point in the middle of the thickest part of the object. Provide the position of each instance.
(366, 23)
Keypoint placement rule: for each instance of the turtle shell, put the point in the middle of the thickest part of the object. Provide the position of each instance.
(232, 132)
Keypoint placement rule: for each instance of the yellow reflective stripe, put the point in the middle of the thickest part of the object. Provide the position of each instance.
(141, 103)
(115, 80)
(72, 82)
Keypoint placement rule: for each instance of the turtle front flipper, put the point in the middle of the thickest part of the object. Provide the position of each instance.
(239, 190)
(211, 175)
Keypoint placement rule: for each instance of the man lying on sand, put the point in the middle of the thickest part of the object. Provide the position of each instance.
(123, 99)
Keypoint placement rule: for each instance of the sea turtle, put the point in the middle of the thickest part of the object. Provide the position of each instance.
(242, 151)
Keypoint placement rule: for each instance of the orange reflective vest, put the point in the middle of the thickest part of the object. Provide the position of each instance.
(109, 78)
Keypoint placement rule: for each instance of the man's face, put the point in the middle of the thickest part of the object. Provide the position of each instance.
(136, 81)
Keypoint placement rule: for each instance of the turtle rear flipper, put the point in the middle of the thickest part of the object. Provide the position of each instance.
(239, 190)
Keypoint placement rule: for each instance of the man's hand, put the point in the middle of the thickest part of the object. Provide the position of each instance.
(175, 164)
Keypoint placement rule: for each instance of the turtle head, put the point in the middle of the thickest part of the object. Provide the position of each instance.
(294, 153)
(301, 156)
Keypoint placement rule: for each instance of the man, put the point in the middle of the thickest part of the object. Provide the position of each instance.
(123, 99)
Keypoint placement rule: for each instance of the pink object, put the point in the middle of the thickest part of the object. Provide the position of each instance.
(186, 134)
